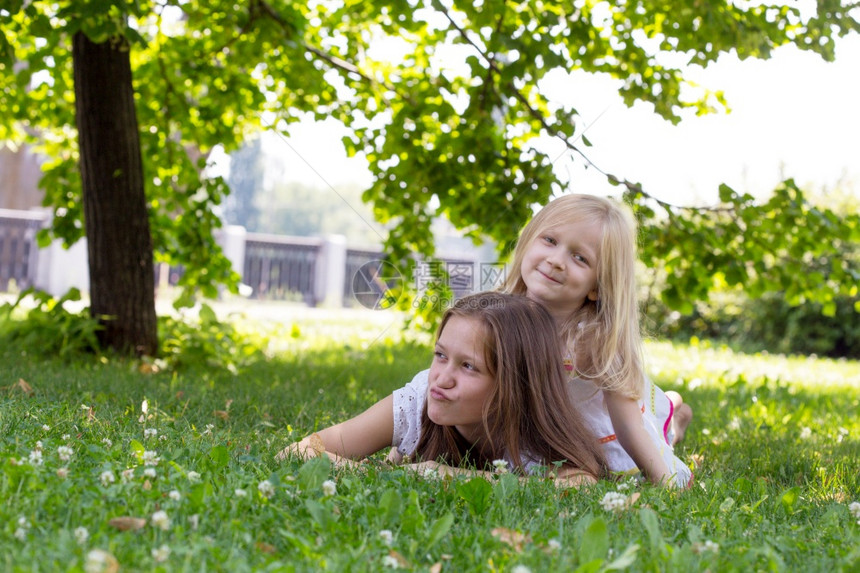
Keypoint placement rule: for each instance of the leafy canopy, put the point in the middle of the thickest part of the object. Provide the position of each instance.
(444, 100)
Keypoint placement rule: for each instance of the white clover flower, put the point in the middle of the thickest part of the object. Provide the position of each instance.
(99, 560)
(521, 569)
(65, 453)
(161, 554)
(150, 433)
(107, 478)
(160, 520)
(711, 546)
(162, 438)
(843, 433)
(613, 501)
(329, 488)
(150, 458)
(66, 437)
(63, 473)
(38, 446)
(106, 441)
(390, 561)
(149, 472)
(127, 475)
(554, 544)
(854, 508)
(36, 457)
(240, 492)
(623, 486)
(194, 520)
(805, 433)
(20, 534)
(501, 466)
(81, 535)
(266, 488)
(387, 537)
(193, 476)
(174, 495)
(46, 427)
(430, 473)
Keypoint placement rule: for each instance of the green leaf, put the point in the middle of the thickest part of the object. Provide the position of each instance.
(594, 544)
(477, 493)
(313, 473)
(789, 499)
(439, 529)
(220, 457)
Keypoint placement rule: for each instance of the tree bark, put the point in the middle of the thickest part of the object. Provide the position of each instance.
(119, 243)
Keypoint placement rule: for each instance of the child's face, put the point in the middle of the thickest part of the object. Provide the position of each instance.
(459, 380)
(559, 267)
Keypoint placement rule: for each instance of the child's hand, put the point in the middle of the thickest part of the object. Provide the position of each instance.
(310, 447)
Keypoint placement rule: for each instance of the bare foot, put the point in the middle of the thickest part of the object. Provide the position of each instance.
(682, 417)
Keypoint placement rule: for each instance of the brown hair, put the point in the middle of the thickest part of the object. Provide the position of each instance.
(604, 334)
(528, 412)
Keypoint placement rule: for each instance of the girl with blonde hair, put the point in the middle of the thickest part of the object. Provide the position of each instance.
(577, 257)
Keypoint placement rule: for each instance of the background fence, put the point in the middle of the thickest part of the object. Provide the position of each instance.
(275, 267)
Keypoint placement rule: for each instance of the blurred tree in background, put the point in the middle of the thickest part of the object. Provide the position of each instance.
(442, 98)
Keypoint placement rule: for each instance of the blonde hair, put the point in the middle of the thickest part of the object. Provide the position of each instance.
(604, 334)
(528, 413)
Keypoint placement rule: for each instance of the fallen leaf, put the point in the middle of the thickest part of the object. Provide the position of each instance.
(401, 560)
(698, 460)
(265, 548)
(632, 499)
(222, 414)
(513, 538)
(147, 485)
(24, 387)
(227, 405)
(91, 414)
(317, 444)
(127, 523)
(436, 567)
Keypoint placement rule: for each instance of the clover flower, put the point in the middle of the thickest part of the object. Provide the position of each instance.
(35, 457)
(106, 441)
(854, 508)
(65, 453)
(99, 560)
(66, 437)
(160, 520)
(174, 495)
(23, 529)
(805, 433)
(161, 554)
(150, 433)
(127, 475)
(521, 569)
(711, 546)
(107, 478)
(553, 544)
(81, 535)
(266, 488)
(613, 501)
(150, 458)
(193, 476)
(390, 561)
(149, 472)
(387, 537)
(501, 466)
(62, 473)
(329, 488)
(46, 427)
(240, 492)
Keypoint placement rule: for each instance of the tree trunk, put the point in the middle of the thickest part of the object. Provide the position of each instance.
(122, 282)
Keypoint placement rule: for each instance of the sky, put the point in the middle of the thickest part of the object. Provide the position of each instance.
(793, 115)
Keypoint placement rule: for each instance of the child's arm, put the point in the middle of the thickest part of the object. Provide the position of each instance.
(353, 439)
(626, 419)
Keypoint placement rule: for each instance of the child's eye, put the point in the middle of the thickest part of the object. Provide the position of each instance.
(580, 258)
(438, 355)
(549, 240)
(469, 366)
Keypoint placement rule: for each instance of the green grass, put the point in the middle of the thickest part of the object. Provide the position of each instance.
(776, 440)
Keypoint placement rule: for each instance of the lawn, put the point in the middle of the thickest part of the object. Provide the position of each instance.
(108, 464)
